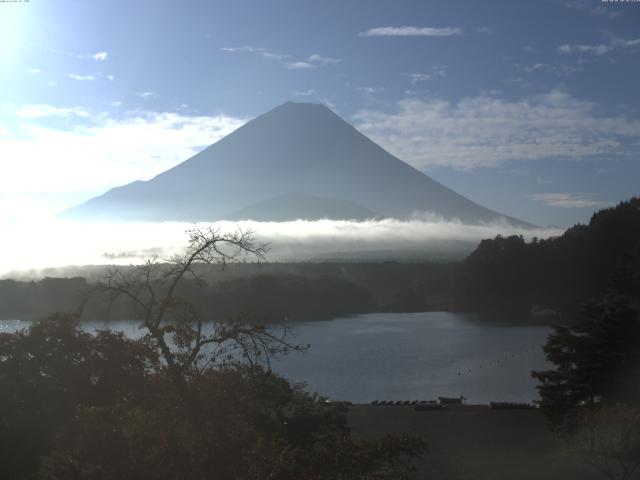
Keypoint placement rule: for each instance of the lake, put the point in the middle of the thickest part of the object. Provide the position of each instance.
(406, 356)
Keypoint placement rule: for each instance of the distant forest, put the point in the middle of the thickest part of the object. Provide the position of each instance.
(267, 293)
(508, 274)
(504, 275)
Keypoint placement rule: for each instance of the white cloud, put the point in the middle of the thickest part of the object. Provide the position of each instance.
(593, 49)
(34, 71)
(111, 78)
(560, 69)
(370, 90)
(406, 31)
(319, 59)
(592, 8)
(313, 61)
(621, 42)
(100, 56)
(306, 93)
(415, 78)
(263, 52)
(566, 200)
(146, 94)
(486, 131)
(100, 152)
(300, 66)
(77, 243)
(82, 77)
(436, 71)
(534, 67)
(600, 49)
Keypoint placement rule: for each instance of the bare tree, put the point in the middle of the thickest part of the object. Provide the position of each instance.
(609, 441)
(186, 342)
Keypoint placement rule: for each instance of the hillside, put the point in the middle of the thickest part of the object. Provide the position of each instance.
(507, 274)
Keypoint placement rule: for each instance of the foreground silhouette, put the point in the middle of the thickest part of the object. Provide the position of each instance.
(185, 401)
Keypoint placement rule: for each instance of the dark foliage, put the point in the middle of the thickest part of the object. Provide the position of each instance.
(30, 300)
(82, 406)
(269, 298)
(597, 361)
(50, 370)
(267, 292)
(509, 274)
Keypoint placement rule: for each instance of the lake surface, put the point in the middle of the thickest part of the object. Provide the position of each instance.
(406, 356)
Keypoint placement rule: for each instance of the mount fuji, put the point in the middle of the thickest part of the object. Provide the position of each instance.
(297, 161)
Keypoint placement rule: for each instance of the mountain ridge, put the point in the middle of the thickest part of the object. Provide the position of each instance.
(301, 147)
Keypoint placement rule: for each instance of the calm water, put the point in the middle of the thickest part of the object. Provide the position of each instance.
(417, 356)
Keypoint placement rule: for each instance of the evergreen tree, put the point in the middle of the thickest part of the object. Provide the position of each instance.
(596, 361)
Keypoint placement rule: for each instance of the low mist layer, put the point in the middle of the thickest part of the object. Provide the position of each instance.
(55, 243)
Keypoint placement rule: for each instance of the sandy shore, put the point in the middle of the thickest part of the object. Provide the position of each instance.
(476, 442)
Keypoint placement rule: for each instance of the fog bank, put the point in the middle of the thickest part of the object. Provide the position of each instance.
(56, 243)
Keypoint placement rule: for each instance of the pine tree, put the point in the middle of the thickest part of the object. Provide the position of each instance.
(596, 361)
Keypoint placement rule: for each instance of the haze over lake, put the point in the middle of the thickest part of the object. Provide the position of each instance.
(408, 356)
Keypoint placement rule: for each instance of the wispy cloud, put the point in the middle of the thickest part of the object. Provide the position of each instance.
(370, 90)
(621, 42)
(320, 60)
(407, 31)
(98, 56)
(34, 71)
(300, 65)
(436, 71)
(146, 94)
(313, 61)
(306, 93)
(485, 131)
(559, 69)
(261, 51)
(594, 8)
(82, 78)
(599, 49)
(566, 200)
(419, 77)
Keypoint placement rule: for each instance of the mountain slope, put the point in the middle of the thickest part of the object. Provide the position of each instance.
(302, 206)
(295, 147)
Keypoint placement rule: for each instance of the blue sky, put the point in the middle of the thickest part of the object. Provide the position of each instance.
(528, 107)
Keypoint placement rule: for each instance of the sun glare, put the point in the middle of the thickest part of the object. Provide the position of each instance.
(13, 30)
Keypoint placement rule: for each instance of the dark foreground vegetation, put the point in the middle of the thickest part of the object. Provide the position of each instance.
(188, 400)
(81, 406)
(591, 396)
